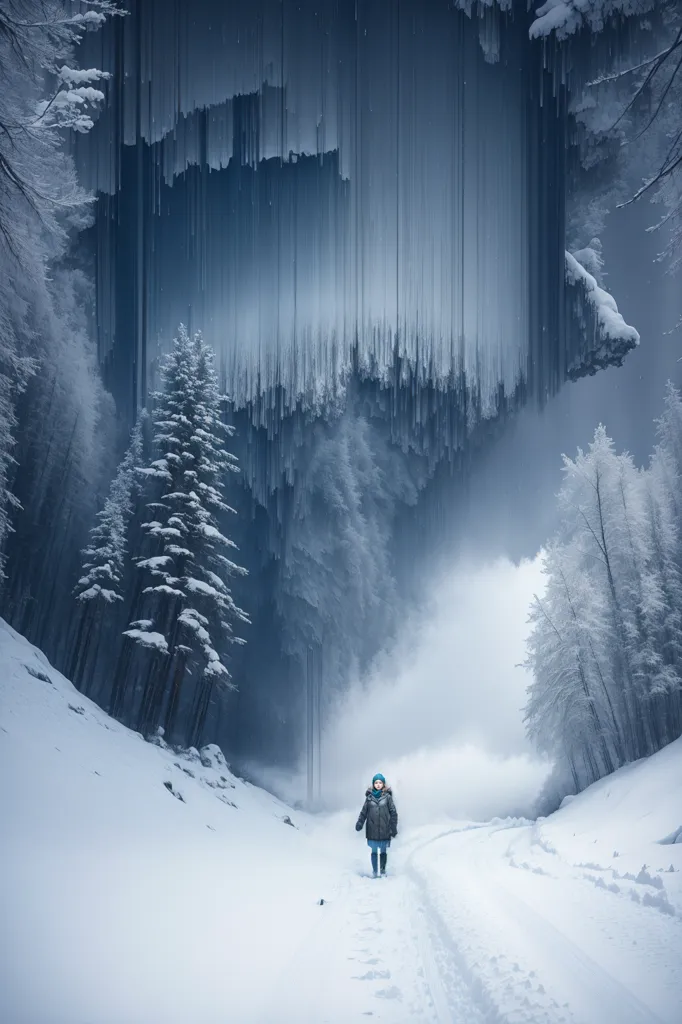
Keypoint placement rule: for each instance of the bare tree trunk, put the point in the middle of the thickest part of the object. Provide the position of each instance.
(118, 689)
(177, 677)
(84, 611)
(606, 753)
(622, 656)
(201, 724)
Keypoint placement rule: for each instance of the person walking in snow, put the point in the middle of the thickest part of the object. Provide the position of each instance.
(382, 821)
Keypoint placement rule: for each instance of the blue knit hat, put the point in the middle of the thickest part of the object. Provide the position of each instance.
(379, 777)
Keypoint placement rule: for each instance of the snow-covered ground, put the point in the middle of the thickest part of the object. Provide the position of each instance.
(142, 887)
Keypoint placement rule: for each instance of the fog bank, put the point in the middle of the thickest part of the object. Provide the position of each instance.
(441, 717)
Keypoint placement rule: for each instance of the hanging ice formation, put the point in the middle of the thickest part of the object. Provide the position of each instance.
(360, 203)
(314, 183)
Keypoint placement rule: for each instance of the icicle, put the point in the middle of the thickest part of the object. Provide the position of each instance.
(318, 180)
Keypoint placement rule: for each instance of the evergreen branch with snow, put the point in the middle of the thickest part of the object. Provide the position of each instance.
(105, 555)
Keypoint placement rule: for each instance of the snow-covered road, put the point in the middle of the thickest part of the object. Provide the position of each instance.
(142, 885)
(378, 949)
(485, 923)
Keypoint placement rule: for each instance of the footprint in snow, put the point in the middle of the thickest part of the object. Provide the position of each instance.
(389, 993)
(372, 976)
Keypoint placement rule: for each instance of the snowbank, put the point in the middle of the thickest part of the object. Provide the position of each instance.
(137, 886)
(624, 833)
(636, 809)
(576, 917)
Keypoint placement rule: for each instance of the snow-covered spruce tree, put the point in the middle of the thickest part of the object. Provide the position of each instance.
(187, 609)
(101, 584)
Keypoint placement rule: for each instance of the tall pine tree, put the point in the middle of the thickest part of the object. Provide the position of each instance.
(185, 612)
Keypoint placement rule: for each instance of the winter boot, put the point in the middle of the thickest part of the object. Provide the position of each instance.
(374, 864)
(382, 862)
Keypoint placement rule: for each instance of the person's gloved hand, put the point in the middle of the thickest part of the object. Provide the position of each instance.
(358, 827)
(394, 833)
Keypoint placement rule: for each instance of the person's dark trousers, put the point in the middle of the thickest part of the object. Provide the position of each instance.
(382, 861)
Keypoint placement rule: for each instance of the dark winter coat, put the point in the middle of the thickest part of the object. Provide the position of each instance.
(380, 815)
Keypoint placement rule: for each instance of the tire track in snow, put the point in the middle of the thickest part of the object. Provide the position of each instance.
(379, 951)
(458, 994)
(498, 987)
(432, 971)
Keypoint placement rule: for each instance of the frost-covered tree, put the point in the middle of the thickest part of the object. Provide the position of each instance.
(188, 613)
(43, 94)
(60, 415)
(630, 114)
(14, 374)
(571, 704)
(653, 113)
(335, 574)
(664, 502)
(606, 644)
(602, 508)
(101, 584)
(669, 448)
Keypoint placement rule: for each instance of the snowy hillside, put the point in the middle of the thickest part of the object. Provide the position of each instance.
(136, 886)
(140, 887)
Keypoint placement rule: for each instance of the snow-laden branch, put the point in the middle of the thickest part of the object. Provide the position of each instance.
(146, 638)
(607, 337)
(563, 18)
